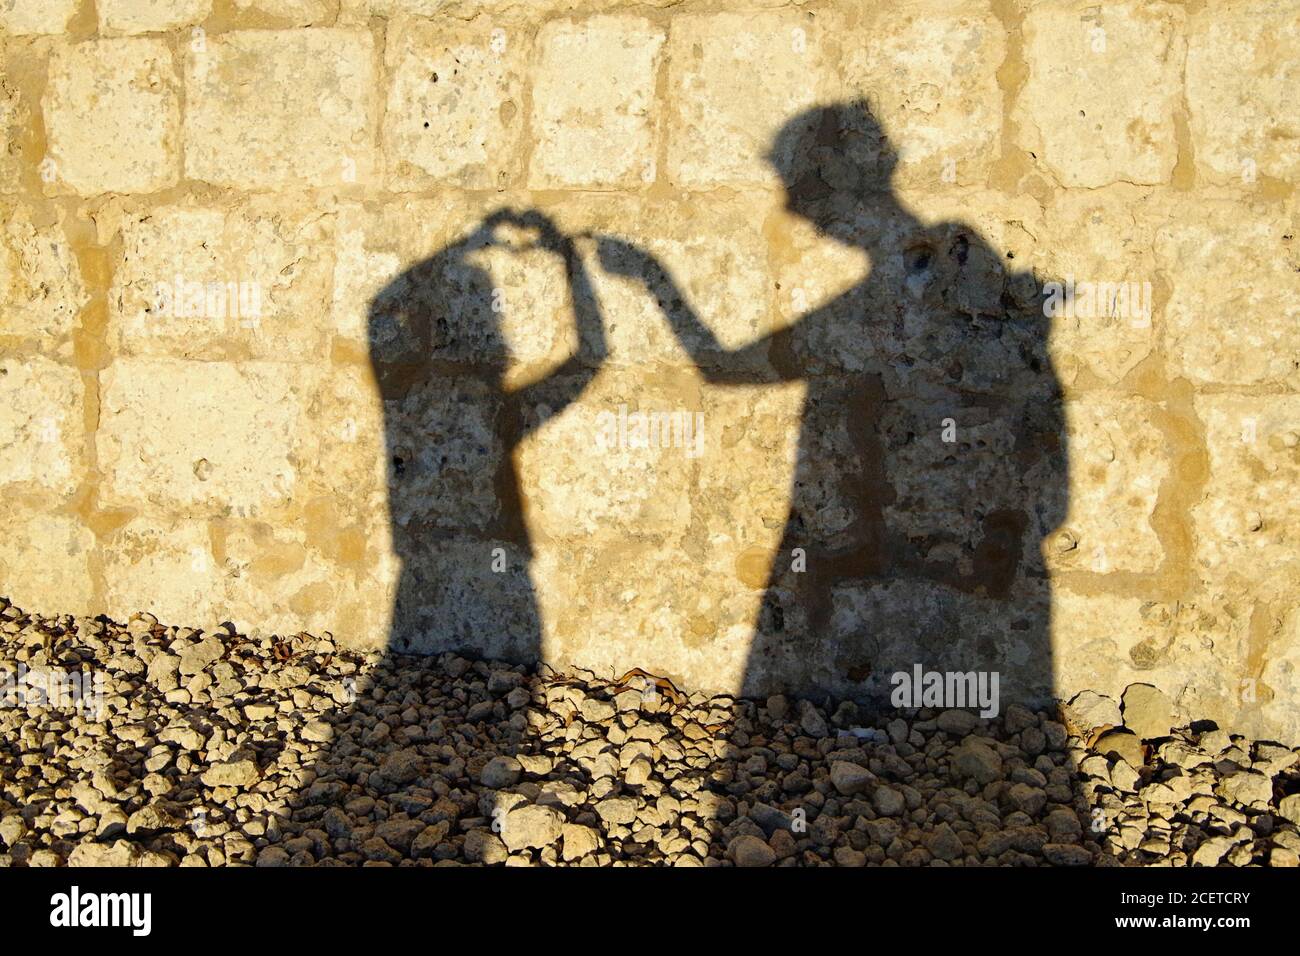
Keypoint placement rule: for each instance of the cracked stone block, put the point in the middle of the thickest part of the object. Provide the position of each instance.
(294, 13)
(209, 437)
(41, 425)
(1242, 73)
(454, 104)
(41, 289)
(112, 113)
(196, 282)
(1096, 243)
(25, 17)
(46, 560)
(270, 108)
(584, 471)
(1118, 460)
(593, 93)
(929, 70)
(1248, 520)
(166, 568)
(150, 16)
(1233, 315)
(1102, 89)
(724, 122)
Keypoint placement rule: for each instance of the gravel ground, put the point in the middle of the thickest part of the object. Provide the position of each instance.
(211, 748)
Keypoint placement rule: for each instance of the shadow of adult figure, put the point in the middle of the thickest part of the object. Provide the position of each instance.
(402, 778)
(931, 456)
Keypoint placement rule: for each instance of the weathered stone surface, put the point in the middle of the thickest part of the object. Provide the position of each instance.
(1245, 522)
(41, 425)
(201, 282)
(1241, 71)
(315, 128)
(112, 113)
(1118, 459)
(1232, 314)
(1098, 102)
(46, 559)
(592, 116)
(134, 16)
(41, 288)
(167, 570)
(225, 447)
(930, 71)
(21, 17)
(724, 123)
(455, 100)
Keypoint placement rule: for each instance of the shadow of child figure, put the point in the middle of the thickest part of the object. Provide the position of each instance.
(415, 764)
(931, 464)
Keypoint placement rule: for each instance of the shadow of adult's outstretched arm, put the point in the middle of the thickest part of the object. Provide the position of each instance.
(748, 365)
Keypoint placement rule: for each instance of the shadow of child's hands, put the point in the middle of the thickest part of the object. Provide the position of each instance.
(544, 234)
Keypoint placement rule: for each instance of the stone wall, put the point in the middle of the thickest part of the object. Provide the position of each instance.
(229, 455)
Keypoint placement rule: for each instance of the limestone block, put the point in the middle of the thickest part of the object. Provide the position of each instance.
(1097, 244)
(166, 568)
(624, 603)
(15, 115)
(209, 437)
(1233, 313)
(345, 452)
(41, 289)
(454, 102)
(1118, 459)
(294, 13)
(268, 108)
(149, 16)
(1242, 71)
(599, 466)
(41, 425)
(280, 580)
(200, 281)
(45, 564)
(929, 70)
(1102, 88)
(722, 122)
(593, 100)
(22, 17)
(1247, 522)
(112, 114)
